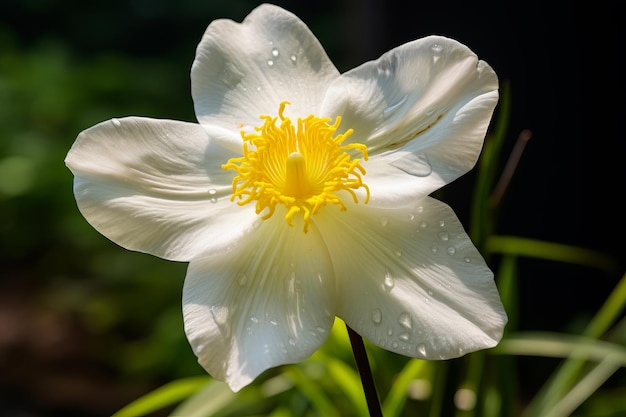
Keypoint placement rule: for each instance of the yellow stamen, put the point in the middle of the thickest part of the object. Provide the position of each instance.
(302, 169)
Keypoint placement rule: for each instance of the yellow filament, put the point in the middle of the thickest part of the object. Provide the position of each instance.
(301, 168)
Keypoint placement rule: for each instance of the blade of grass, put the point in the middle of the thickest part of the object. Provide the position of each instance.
(169, 394)
(559, 252)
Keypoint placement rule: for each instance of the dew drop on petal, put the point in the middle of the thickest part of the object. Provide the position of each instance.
(213, 200)
(273, 322)
(434, 249)
(411, 216)
(405, 321)
(377, 316)
(293, 58)
(292, 342)
(383, 221)
(397, 253)
(467, 260)
(275, 52)
(404, 336)
(389, 331)
(389, 111)
(254, 319)
(442, 223)
(116, 122)
(451, 250)
(436, 48)
(414, 164)
(212, 191)
(421, 349)
(423, 224)
(388, 282)
(394, 344)
(444, 236)
(270, 63)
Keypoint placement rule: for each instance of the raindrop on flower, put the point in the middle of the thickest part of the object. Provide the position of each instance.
(388, 282)
(421, 348)
(389, 111)
(423, 224)
(444, 236)
(451, 250)
(404, 336)
(414, 164)
(383, 221)
(377, 316)
(293, 58)
(270, 63)
(405, 321)
(116, 122)
(275, 52)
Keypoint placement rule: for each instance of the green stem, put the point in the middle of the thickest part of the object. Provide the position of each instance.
(363, 366)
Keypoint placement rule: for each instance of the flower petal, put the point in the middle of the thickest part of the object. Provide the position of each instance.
(266, 302)
(423, 110)
(242, 71)
(156, 186)
(411, 281)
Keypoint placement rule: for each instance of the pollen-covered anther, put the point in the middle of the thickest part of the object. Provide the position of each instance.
(302, 167)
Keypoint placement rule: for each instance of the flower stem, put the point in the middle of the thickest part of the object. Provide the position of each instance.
(363, 366)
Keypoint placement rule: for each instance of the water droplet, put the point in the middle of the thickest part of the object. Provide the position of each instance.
(451, 250)
(405, 321)
(442, 223)
(116, 122)
(467, 260)
(444, 236)
(213, 200)
(231, 76)
(253, 319)
(389, 331)
(273, 322)
(212, 191)
(292, 342)
(270, 63)
(384, 221)
(414, 164)
(421, 349)
(259, 88)
(275, 52)
(397, 253)
(220, 314)
(293, 58)
(394, 344)
(321, 330)
(423, 224)
(389, 111)
(377, 316)
(411, 216)
(404, 336)
(436, 48)
(434, 249)
(388, 282)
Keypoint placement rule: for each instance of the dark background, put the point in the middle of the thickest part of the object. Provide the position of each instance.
(66, 65)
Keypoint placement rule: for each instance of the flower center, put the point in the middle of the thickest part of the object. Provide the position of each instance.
(302, 167)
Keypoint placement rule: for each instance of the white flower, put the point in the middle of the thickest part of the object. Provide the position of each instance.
(322, 209)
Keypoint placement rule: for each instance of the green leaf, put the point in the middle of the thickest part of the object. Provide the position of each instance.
(169, 394)
(551, 251)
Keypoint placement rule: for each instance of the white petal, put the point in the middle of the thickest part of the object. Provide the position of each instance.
(156, 186)
(245, 70)
(411, 281)
(266, 302)
(423, 110)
